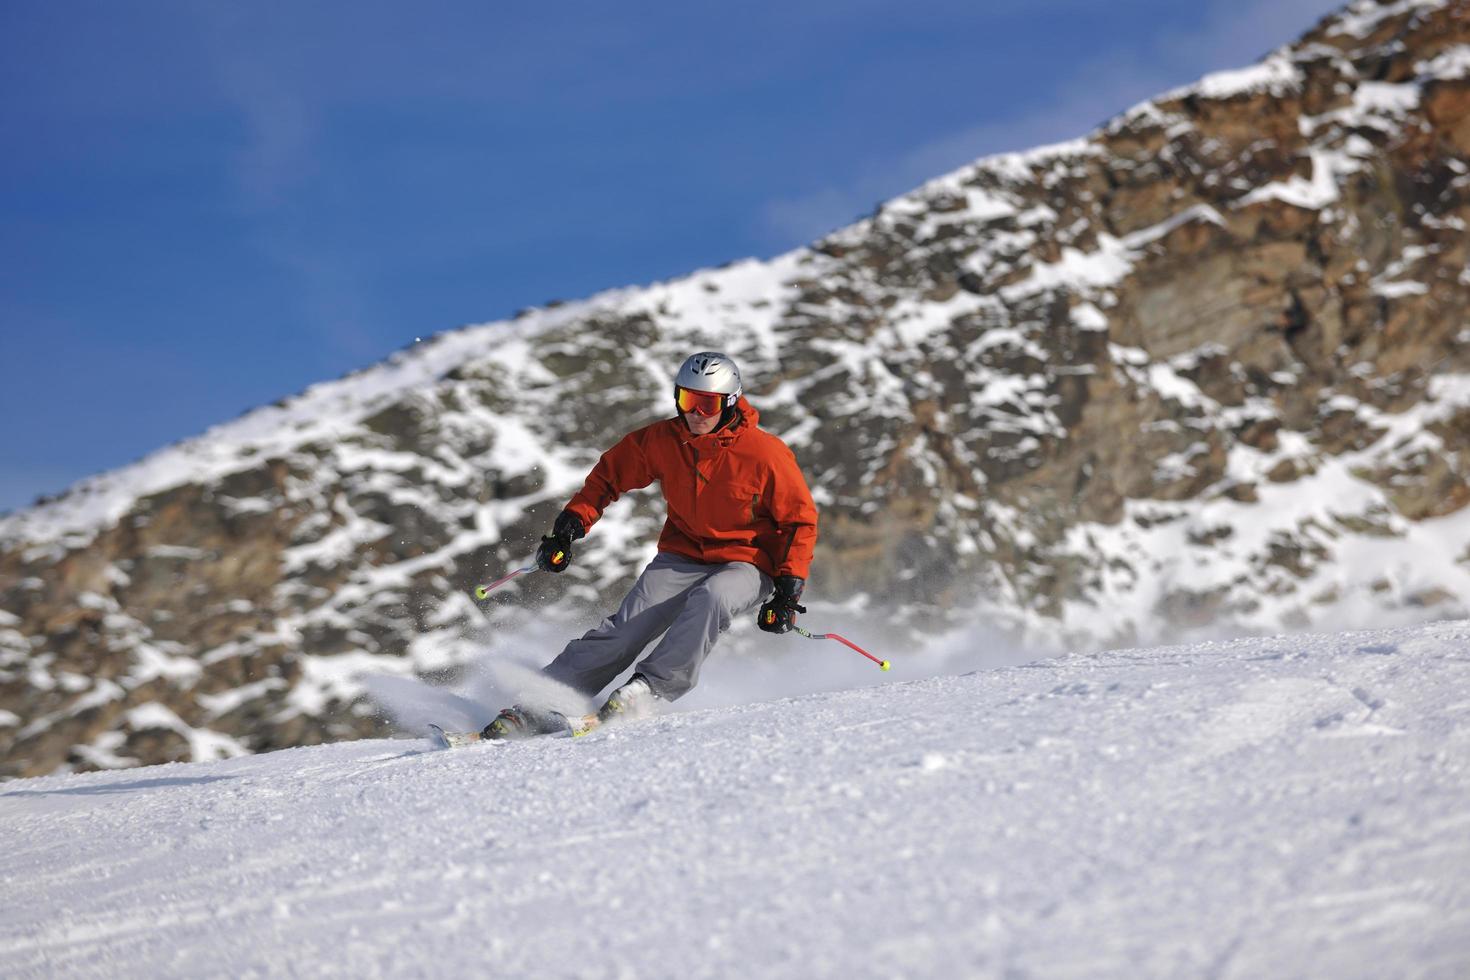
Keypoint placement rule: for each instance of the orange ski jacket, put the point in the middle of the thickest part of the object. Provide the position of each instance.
(733, 495)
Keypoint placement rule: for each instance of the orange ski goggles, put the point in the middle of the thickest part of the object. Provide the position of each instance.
(699, 402)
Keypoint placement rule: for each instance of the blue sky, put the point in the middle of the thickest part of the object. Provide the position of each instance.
(208, 206)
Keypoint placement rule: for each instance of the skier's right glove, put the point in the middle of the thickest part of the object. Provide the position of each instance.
(778, 615)
(555, 553)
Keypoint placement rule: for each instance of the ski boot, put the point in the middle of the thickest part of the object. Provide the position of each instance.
(519, 721)
(633, 700)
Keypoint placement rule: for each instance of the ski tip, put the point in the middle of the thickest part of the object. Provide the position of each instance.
(437, 736)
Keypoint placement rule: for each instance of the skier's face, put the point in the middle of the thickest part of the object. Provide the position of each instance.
(701, 425)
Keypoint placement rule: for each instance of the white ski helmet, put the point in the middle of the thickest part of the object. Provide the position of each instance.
(710, 373)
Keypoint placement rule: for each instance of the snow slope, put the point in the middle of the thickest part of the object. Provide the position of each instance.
(1292, 806)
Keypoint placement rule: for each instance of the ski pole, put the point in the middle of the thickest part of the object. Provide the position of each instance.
(481, 591)
(882, 664)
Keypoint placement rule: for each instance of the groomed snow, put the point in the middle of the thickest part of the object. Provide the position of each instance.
(1290, 806)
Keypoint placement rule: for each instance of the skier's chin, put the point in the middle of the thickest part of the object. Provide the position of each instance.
(701, 425)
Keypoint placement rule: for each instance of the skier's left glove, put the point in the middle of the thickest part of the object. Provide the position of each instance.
(555, 553)
(778, 615)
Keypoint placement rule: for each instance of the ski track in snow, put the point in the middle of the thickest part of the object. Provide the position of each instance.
(1290, 806)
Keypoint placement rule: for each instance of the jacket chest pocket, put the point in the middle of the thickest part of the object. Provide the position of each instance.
(733, 504)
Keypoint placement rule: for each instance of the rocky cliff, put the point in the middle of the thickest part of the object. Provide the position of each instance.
(1207, 368)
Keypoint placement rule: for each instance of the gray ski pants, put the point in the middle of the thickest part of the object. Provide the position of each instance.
(688, 601)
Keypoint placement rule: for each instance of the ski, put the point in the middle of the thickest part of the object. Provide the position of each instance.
(453, 740)
(576, 728)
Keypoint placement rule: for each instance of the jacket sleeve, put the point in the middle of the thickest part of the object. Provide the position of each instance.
(795, 514)
(622, 468)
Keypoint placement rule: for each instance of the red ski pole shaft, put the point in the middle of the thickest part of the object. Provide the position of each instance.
(882, 664)
(481, 591)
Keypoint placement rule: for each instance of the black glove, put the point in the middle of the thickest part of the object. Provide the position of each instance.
(555, 553)
(778, 615)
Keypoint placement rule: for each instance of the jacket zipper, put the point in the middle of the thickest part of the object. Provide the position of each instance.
(698, 476)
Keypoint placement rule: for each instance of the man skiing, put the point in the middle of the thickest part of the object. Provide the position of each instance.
(740, 527)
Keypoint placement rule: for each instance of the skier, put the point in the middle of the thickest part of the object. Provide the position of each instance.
(740, 528)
